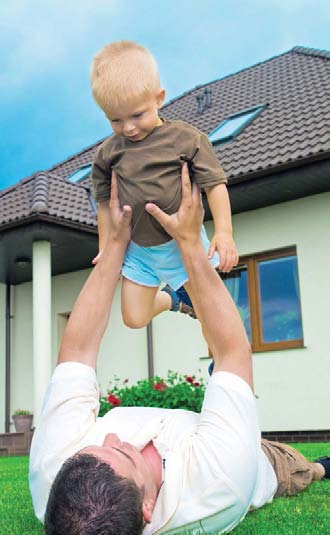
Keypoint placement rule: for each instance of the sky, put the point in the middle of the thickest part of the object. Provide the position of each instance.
(46, 109)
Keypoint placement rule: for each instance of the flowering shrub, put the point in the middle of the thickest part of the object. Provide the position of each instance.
(113, 400)
(175, 392)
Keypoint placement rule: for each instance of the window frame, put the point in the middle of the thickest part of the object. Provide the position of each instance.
(253, 283)
(88, 170)
(253, 112)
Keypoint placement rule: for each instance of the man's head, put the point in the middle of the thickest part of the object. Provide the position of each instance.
(125, 84)
(101, 490)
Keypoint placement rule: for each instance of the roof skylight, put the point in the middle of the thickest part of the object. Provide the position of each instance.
(79, 174)
(231, 127)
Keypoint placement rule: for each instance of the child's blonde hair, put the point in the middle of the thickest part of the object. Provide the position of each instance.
(121, 73)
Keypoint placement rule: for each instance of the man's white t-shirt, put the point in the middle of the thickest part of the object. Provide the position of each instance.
(214, 469)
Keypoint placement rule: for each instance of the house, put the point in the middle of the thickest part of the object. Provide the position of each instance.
(270, 127)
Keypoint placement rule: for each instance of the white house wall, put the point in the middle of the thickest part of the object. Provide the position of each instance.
(123, 351)
(292, 385)
(21, 348)
(179, 345)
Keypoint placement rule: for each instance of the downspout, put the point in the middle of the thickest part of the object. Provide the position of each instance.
(150, 349)
(8, 351)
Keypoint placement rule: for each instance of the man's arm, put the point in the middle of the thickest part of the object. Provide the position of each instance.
(103, 225)
(222, 325)
(90, 314)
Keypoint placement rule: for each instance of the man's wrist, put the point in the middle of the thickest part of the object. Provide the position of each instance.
(115, 241)
(191, 246)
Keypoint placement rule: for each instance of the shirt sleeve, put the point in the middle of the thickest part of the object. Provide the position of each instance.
(206, 167)
(68, 413)
(101, 176)
(229, 432)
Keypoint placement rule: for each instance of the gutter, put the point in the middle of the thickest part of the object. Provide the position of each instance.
(279, 168)
(150, 350)
(8, 358)
(42, 218)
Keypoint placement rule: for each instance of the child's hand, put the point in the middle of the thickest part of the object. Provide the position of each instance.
(97, 258)
(223, 243)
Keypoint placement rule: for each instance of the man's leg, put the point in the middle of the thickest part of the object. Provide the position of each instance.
(293, 471)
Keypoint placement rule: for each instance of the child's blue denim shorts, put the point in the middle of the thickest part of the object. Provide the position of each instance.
(149, 266)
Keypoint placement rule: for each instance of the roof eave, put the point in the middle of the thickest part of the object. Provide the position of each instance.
(46, 218)
(278, 187)
(294, 164)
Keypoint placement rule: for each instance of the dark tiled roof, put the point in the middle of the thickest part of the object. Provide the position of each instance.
(294, 126)
(45, 193)
(68, 166)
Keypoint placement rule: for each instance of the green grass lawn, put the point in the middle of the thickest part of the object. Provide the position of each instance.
(306, 514)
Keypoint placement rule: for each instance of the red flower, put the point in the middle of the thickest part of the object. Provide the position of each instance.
(161, 386)
(189, 379)
(113, 400)
(196, 383)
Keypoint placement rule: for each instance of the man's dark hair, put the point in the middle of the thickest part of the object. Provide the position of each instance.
(89, 498)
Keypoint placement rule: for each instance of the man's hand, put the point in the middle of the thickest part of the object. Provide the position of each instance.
(120, 218)
(186, 223)
(113, 222)
(223, 243)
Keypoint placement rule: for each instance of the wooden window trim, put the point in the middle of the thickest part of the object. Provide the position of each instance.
(251, 264)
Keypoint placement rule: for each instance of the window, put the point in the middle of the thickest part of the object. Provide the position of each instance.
(265, 289)
(231, 127)
(80, 174)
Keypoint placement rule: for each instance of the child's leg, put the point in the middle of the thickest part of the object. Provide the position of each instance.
(139, 304)
(180, 300)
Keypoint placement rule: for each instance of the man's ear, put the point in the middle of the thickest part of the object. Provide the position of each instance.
(147, 509)
(160, 98)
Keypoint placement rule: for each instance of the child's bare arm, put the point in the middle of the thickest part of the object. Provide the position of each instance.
(222, 240)
(103, 223)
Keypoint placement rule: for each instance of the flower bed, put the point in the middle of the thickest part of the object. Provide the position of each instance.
(174, 392)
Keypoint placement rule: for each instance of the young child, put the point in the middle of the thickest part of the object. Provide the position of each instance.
(147, 154)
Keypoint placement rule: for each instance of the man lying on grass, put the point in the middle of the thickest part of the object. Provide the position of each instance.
(149, 470)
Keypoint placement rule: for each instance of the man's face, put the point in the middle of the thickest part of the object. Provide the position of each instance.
(126, 460)
(137, 120)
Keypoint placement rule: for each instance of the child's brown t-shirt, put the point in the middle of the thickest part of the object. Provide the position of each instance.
(150, 171)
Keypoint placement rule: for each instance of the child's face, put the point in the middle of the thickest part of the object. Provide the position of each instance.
(135, 121)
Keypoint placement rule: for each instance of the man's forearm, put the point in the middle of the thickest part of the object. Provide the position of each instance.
(90, 314)
(222, 325)
(103, 223)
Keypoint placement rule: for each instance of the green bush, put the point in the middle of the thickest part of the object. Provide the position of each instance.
(22, 412)
(175, 392)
